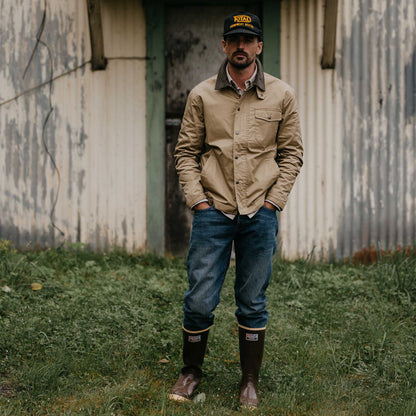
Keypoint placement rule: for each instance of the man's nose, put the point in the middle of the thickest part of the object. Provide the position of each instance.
(241, 42)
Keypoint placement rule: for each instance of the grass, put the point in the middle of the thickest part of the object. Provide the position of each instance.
(341, 338)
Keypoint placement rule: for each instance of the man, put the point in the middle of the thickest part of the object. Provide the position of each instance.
(238, 154)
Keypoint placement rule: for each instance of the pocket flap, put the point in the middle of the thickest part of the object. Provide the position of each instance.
(268, 115)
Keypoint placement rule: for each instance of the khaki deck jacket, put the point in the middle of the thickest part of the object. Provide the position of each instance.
(238, 151)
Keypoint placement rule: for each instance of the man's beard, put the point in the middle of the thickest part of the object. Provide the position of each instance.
(240, 65)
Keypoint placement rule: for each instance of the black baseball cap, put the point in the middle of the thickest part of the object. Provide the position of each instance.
(242, 23)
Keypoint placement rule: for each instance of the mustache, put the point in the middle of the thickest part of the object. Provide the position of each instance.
(240, 53)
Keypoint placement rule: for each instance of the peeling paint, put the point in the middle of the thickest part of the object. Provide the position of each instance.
(70, 160)
(359, 129)
(13, 142)
(124, 228)
(358, 122)
(98, 120)
(12, 33)
(378, 94)
(410, 88)
(81, 181)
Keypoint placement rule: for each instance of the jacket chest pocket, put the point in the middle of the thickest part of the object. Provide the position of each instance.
(266, 123)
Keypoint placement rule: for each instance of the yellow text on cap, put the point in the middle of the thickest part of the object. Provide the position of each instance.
(242, 18)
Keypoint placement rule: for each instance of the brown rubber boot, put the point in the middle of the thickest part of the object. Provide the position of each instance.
(194, 346)
(251, 355)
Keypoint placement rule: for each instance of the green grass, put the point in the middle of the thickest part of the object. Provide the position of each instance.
(341, 339)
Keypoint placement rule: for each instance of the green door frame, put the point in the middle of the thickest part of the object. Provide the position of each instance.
(156, 96)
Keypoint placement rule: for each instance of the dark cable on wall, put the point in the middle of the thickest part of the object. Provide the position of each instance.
(49, 83)
(38, 36)
(45, 122)
(69, 71)
(38, 87)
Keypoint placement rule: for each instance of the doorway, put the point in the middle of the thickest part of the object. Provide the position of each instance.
(193, 53)
(171, 71)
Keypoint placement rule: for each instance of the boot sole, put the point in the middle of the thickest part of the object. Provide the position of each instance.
(178, 398)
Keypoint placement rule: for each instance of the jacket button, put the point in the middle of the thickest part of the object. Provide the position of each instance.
(237, 182)
(236, 133)
(238, 109)
(236, 157)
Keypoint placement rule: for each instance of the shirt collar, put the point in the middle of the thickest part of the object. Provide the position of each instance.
(248, 83)
(222, 80)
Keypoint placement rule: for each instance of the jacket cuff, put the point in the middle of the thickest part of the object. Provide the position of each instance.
(275, 205)
(196, 203)
(191, 201)
(279, 203)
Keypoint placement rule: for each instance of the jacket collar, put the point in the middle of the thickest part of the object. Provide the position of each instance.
(222, 80)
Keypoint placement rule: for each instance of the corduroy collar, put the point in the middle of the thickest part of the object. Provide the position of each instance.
(222, 80)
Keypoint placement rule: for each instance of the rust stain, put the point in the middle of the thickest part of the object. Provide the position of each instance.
(371, 255)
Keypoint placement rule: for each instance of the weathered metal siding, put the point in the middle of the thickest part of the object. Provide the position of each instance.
(377, 69)
(95, 135)
(310, 220)
(357, 189)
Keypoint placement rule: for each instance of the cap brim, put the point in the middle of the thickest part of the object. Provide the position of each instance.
(238, 31)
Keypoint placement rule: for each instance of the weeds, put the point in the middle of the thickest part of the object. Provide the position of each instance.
(102, 337)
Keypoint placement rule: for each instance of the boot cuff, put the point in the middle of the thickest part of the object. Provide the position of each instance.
(196, 332)
(252, 329)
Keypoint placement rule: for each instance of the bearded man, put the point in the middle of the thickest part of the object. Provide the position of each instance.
(238, 154)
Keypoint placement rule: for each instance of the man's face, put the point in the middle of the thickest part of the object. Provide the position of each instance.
(241, 50)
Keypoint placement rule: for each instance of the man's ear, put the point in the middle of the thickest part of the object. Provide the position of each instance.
(223, 45)
(259, 48)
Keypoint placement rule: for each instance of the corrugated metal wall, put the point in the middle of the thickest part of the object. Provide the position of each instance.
(357, 188)
(377, 69)
(85, 174)
(309, 222)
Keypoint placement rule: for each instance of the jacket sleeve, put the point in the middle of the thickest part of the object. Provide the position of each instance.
(189, 148)
(289, 152)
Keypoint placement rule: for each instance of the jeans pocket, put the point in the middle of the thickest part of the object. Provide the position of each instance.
(269, 209)
(271, 215)
(199, 211)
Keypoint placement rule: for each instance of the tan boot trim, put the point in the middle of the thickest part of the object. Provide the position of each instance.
(196, 332)
(252, 329)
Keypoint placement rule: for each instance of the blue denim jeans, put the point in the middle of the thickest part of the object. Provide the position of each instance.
(209, 257)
